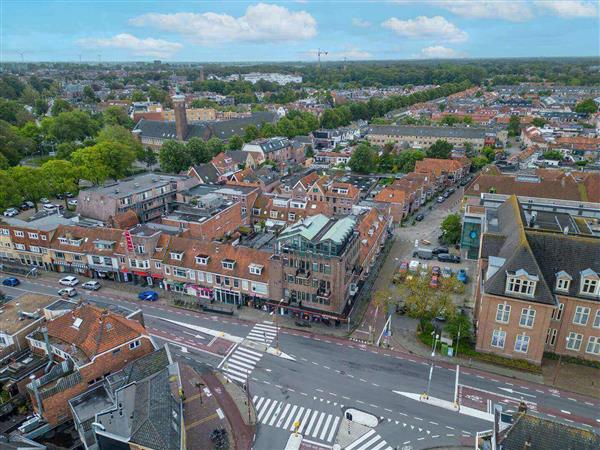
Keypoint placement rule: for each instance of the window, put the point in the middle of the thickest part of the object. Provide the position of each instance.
(134, 344)
(521, 286)
(589, 286)
(498, 338)
(34, 249)
(563, 284)
(273, 214)
(122, 259)
(558, 312)
(178, 256)
(5, 232)
(256, 211)
(19, 233)
(551, 336)
(574, 341)
(245, 285)
(228, 264)
(593, 345)
(582, 314)
(503, 313)
(179, 272)
(209, 277)
(315, 267)
(255, 269)
(291, 216)
(140, 249)
(522, 343)
(597, 319)
(202, 260)
(19, 246)
(158, 265)
(32, 235)
(116, 351)
(527, 317)
(44, 237)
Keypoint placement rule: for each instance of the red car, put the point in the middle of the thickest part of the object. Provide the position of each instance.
(403, 267)
(435, 282)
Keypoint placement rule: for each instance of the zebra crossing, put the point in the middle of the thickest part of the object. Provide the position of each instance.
(369, 441)
(263, 333)
(241, 363)
(313, 424)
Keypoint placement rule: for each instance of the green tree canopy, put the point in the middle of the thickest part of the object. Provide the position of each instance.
(198, 151)
(451, 228)
(251, 133)
(10, 192)
(215, 146)
(363, 159)
(73, 126)
(148, 157)
(62, 176)
(538, 122)
(104, 160)
(12, 145)
(121, 135)
(60, 106)
(235, 143)
(31, 183)
(174, 157)
(554, 155)
(115, 115)
(587, 106)
(513, 126)
(489, 153)
(440, 150)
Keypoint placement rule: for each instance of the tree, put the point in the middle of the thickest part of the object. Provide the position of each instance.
(10, 192)
(469, 151)
(251, 133)
(440, 150)
(89, 96)
(138, 96)
(407, 160)
(451, 229)
(308, 151)
(115, 115)
(363, 159)
(121, 135)
(40, 107)
(489, 153)
(148, 157)
(73, 126)
(31, 183)
(198, 151)
(12, 145)
(104, 160)
(215, 145)
(459, 324)
(587, 106)
(424, 302)
(235, 143)
(478, 162)
(14, 112)
(174, 157)
(450, 120)
(538, 122)
(62, 176)
(513, 126)
(554, 155)
(60, 106)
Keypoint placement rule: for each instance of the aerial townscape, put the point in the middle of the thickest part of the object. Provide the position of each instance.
(351, 225)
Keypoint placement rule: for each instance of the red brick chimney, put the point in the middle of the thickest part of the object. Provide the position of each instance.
(181, 124)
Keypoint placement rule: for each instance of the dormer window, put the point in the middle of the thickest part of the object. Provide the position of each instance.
(521, 283)
(202, 260)
(590, 283)
(563, 281)
(228, 264)
(255, 269)
(177, 256)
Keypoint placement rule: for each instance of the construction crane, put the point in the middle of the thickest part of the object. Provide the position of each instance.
(319, 53)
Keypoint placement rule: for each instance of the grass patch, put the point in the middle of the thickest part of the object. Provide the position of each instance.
(573, 360)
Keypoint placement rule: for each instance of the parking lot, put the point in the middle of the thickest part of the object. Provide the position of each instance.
(26, 213)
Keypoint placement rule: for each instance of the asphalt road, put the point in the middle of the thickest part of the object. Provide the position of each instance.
(327, 375)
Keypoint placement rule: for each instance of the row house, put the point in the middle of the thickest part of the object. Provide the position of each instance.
(225, 273)
(84, 346)
(333, 197)
(277, 149)
(373, 228)
(297, 186)
(265, 178)
(278, 211)
(397, 201)
(228, 163)
(27, 246)
(331, 158)
(444, 171)
(538, 289)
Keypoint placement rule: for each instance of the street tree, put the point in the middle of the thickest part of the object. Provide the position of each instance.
(148, 157)
(91, 165)
(423, 302)
(215, 146)
(489, 153)
(31, 183)
(121, 135)
(10, 193)
(62, 176)
(451, 228)
(235, 143)
(441, 149)
(174, 157)
(363, 159)
(198, 151)
(513, 126)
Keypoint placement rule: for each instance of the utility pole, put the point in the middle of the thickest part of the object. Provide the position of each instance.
(437, 336)
(456, 387)
(319, 53)
(457, 339)
(248, 401)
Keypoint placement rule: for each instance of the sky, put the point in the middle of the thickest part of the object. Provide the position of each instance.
(206, 31)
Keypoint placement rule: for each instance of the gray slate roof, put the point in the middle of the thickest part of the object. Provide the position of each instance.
(207, 172)
(139, 369)
(204, 130)
(423, 131)
(543, 434)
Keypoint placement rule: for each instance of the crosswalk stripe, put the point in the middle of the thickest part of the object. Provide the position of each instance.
(333, 428)
(380, 445)
(371, 442)
(312, 422)
(265, 327)
(360, 440)
(270, 411)
(254, 398)
(297, 419)
(247, 351)
(236, 377)
(257, 405)
(282, 417)
(241, 362)
(233, 367)
(290, 417)
(252, 338)
(262, 412)
(304, 420)
(325, 427)
(244, 357)
(318, 425)
(275, 414)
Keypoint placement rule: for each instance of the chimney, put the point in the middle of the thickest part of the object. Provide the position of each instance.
(48, 349)
(181, 124)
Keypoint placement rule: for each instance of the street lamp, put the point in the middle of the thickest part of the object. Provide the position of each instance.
(568, 339)
(275, 313)
(437, 336)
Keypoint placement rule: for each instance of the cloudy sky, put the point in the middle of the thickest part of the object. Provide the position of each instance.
(120, 30)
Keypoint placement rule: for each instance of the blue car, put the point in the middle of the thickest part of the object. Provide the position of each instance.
(461, 276)
(149, 296)
(12, 281)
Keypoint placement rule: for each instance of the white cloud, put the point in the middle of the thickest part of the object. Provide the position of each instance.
(424, 27)
(261, 23)
(513, 10)
(156, 48)
(360, 23)
(569, 8)
(439, 51)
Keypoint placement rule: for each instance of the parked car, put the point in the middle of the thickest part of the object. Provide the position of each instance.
(446, 272)
(452, 190)
(423, 253)
(149, 296)
(60, 196)
(438, 250)
(69, 195)
(447, 257)
(44, 200)
(403, 267)
(461, 276)
(446, 194)
(440, 199)
(464, 182)
(302, 323)
(50, 207)
(29, 203)
(11, 212)
(419, 217)
(92, 285)
(435, 282)
(436, 270)
(67, 292)
(72, 202)
(24, 207)
(11, 281)
(68, 281)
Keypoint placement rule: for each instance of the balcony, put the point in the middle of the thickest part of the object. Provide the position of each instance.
(325, 294)
(303, 273)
